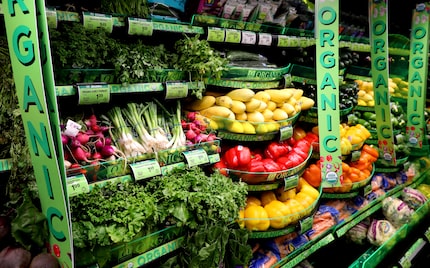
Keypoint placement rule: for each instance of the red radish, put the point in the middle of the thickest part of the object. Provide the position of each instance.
(95, 128)
(79, 154)
(99, 144)
(96, 155)
(83, 138)
(191, 116)
(108, 141)
(75, 166)
(75, 143)
(107, 151)
(64, 139)
(190, 134)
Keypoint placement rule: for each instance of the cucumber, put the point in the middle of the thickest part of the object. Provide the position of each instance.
(237, 55)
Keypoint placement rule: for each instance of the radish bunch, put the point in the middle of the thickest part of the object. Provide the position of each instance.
(88, 144)
(195, 131)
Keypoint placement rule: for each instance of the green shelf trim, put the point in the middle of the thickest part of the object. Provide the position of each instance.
(5, 164)
(410, 254)
(305, 251)
(153, 254)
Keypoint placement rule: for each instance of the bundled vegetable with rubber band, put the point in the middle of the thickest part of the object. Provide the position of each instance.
(87, 142)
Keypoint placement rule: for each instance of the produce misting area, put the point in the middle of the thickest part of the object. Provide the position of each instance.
(214, 134)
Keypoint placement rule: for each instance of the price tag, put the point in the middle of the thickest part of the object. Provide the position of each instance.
(294, 42)
(249, 38)
(232, 36)
(285, 132)
(196, 157)
(367, 190)
(214, 158)
(264, 39)
(291, 182)
(77, 185)
(94, 21)
(72, 128)
(306, 224)
(283, 41)
(51, 17)
(138, 26)
(176, 90)
(93, 94)
(216, 34)
(165, 170)
(145, 169)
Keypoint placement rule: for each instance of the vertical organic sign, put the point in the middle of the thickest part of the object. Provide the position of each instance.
(23, 40)
(380, 74)
(327, 65)
(418, 63)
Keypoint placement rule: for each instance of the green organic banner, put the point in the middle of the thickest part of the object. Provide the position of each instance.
(380, 76)
(418, 62)
(38, 108)
(327, 66)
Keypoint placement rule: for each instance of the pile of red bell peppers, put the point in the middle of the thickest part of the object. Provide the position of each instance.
(276, 156)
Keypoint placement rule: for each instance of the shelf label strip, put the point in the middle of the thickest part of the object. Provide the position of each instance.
(153, 254)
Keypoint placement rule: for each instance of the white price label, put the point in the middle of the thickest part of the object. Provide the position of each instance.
(72, 128)
(264, 39)
(249, 38)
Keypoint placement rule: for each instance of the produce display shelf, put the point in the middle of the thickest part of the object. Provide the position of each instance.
(5, 164)
(374, 255)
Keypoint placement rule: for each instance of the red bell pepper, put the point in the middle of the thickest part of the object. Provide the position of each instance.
(275, 150)
(256, 165)
(291, 160)
(312, 137)
(221, 167)
(303, 155)
(303, 145)
(238, 157)
(270, 165)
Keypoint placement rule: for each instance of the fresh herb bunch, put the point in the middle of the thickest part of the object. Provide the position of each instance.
(74, 46)
(138, 8)
(139, 62)
(193, 198)
(199, 59)
(114, 213)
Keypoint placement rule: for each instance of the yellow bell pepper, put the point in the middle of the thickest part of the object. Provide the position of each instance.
(256, 218)
(277, 212)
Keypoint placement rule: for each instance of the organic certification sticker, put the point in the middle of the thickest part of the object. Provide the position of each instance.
(145, 169)
(94, 21)
(77, 185)
(51, 17)
(93, 94)
(285, 132)
(138, 26)
(196, 157)
(216, 34)
(176, 90)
